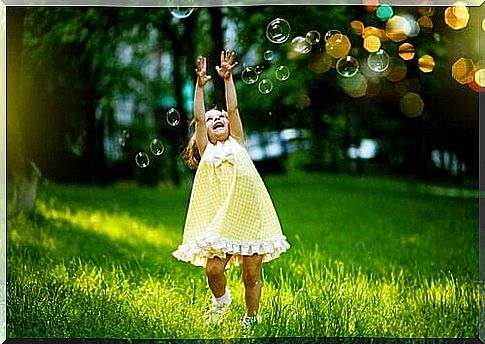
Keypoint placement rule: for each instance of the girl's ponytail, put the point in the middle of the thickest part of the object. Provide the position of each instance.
(191, 153)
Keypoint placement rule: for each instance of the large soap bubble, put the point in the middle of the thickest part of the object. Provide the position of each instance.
(301, 45)
(278, 31)
(347, 66)
(181, 12)
(378, 61)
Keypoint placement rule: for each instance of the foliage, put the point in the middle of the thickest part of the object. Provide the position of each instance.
(82, 64)
(369, 258)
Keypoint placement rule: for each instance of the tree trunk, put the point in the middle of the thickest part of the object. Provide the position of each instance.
(215, 55)
(26, 176)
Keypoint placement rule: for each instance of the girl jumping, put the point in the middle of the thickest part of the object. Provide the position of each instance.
(230, 217)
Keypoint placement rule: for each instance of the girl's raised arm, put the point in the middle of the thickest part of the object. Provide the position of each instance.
(225, 71)
(199, 106)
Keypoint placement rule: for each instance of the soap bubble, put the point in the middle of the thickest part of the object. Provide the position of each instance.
(157, 147)
(330, 33)
(123, 138)
(265, 86)
(173, 117)
(300, 45)
(181, 12)
(282, 73)
(278, 31)
(142, 159)
(347, 66)
(259, 69)
(312, 37)
(249, 75)
(268, 55)
(378, 61)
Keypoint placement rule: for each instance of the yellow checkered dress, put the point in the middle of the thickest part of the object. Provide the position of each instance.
(230, 210)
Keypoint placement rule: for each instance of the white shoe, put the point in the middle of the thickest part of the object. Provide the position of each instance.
(219, 305)
(248, 322)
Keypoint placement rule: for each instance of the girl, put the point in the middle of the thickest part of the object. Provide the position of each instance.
(230, 218)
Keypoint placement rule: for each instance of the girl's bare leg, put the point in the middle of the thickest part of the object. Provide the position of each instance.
(252, 282)
(214, 270)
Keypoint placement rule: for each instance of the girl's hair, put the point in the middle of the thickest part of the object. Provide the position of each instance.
(191, 153)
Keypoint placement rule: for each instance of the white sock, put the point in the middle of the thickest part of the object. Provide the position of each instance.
(226, 298)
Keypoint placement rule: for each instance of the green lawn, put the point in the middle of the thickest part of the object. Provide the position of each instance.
(370, 257)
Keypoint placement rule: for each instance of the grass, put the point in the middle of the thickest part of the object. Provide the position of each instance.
(370, 258)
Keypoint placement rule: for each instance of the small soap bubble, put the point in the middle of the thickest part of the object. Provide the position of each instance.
(181, 12)
(249, 75)
(278, 31)
(268, 55)
(347, 66)
(378, 61)
(282, 73)
(123, 138)
(313, 37)
(330, 33)
(142, 159)
(173, 117)
(259, 69)
(157, 147)
(300, 45)
(265, 86)
(122, 141)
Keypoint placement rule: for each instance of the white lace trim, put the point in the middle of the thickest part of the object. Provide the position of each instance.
(212, 246)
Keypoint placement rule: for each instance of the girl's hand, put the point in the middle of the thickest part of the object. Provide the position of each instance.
(201, 71)
(227, 65)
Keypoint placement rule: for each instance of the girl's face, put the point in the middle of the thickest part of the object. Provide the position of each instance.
(217, 125)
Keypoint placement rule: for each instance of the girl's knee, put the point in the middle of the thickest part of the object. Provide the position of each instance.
(214, 270)
(251, 276)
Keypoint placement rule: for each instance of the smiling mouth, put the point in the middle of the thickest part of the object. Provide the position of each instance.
(218, 125)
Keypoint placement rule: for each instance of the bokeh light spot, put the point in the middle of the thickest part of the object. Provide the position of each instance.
(425, 22)
(463, 71)
(320, 62)
(397, 28)
(426, 63)
(372, 44)
(355, 86)
(457, 16)
(411, 104)
(479, 77)
(357, 26)
(278, 31)
(406, 51)
(397, 70)
(370, 5)
(338, 46)
(384, 12)
(426, 11)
